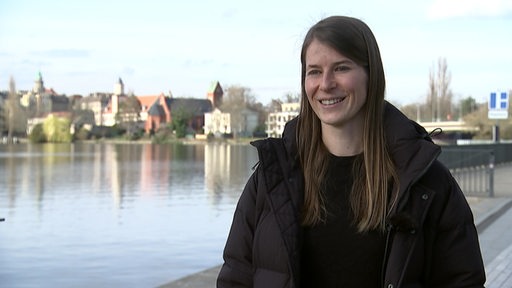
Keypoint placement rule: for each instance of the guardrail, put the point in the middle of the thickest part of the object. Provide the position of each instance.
(473, 165)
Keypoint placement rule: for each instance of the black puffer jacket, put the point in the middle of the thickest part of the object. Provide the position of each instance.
(432, 240)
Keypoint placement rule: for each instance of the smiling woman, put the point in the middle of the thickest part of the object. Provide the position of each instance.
(352, 195)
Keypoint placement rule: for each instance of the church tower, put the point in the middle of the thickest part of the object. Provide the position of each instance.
(215, 94)
(119, 87)
(118, 91)
(38, 85)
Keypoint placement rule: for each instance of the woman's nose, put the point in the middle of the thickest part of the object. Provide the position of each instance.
(328, 82)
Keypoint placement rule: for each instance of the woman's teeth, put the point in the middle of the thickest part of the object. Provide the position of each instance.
(331, 101)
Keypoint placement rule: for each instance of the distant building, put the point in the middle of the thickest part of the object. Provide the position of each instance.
(146, 101)
(105, 106)
(164, 108)
(277, 120)
(191, 109)
(217, 123)
(41, 101)
(215, 94)
(119, 87)
(160, 110)
(109, 112)
(97, 103)
(157, 113)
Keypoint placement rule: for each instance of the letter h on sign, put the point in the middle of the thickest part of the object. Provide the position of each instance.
(498, 105)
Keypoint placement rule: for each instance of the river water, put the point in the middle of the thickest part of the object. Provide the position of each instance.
(116, 215)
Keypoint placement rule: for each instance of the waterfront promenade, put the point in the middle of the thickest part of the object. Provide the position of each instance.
(493, 219)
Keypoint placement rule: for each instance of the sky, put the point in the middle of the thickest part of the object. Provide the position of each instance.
(162, 46)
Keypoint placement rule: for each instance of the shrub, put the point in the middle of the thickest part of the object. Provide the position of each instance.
(37, 134)
(57, 129)
(82, 134)
(163, 135)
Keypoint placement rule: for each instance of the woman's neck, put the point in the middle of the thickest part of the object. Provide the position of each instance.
(343, 141)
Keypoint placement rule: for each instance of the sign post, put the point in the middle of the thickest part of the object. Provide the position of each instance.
(498, 109)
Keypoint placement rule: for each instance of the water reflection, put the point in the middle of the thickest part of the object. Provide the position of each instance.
(226, 164)
(88, 211)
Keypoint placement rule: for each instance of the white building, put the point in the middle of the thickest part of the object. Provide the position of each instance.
(277, 120)
(217, 123)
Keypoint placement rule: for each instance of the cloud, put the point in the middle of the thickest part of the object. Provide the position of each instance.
(443, 9)
(128, 70)
(229, 13)
(63, 53)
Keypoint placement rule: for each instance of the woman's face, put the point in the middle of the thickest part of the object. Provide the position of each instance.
(336, 86)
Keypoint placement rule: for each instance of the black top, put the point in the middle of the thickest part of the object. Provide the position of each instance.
(334, 254)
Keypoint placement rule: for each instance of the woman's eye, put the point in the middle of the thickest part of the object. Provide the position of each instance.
(313, 72)
(342, 68)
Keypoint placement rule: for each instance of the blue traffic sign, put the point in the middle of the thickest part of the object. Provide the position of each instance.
(500, 102)
(498, 105)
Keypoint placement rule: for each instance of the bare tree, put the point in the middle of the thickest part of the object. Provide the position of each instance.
(432, 96)
(440, 95)
(236, 100)
(275, 105)
(11, 107)
(291, 98)
(411, 111)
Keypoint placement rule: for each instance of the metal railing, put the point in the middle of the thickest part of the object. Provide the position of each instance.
(472, 168)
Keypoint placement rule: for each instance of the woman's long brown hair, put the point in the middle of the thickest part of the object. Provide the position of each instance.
(374, 171)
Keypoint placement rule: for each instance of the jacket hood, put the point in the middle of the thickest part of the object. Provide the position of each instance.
(410, 146)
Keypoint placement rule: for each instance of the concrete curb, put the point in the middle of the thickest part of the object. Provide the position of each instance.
(489, 217)
(205, 278)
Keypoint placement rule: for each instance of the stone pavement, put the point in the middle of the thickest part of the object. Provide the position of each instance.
(496, 245)
(493, 219)
(495, 231)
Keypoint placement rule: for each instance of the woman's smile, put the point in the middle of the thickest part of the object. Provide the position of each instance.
(331, 101)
